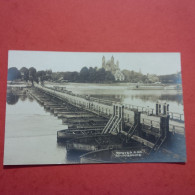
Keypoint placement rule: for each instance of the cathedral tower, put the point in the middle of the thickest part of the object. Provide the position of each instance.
(117, 64)
(112, 61)
(103, 62)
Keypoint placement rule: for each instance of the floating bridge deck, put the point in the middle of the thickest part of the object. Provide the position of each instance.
(104, 108)
(70, 115)
(95, 124)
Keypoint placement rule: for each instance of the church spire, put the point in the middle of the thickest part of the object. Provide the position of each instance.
(103, 62)
(112, 60)
(117, 64)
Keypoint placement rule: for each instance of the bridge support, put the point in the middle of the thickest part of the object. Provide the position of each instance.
(137, 123)
(164, 132)
(116, 122)
(162, 109)
(164, 125)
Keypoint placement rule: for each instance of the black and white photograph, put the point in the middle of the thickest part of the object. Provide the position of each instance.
(93, 107)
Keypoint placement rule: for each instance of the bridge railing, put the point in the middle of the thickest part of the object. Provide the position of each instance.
(176, 129)
(108, 102)
(151, 111)
(150, 123)
(176, 116)
(129, 118)
(145, 110)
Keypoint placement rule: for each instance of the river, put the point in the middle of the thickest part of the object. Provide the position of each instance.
(122, 92)
(30, 136)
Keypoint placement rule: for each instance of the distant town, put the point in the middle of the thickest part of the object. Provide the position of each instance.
(108, 73)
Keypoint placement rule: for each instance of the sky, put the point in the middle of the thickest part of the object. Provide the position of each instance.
(152, 63)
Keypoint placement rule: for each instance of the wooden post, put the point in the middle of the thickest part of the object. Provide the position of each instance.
(122, 119)
(137, 117)
(164, 109)
(157, 108)
(167, 108)
(164, 125)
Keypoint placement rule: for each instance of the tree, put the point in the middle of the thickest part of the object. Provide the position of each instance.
(75, 76)
(13, 74)
(24, 73)
(48, 74)
(32, 75)
(67, 76)
(54, 76)
(134, 77)
(41, 76)
(101, 75)
(172, 78)
(84, 74)
(109, 76)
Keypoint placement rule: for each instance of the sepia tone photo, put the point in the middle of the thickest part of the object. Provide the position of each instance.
(92, 107)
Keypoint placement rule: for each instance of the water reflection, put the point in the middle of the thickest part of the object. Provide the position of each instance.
(30, 99)
(30, 136)
(163, 97)
(12, 98)
(23, 97)
(144, 97)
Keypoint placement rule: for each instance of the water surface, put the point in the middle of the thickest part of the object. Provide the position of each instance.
(31, 132)
(30, 136)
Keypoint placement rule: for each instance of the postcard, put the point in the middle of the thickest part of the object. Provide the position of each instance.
(93, 107)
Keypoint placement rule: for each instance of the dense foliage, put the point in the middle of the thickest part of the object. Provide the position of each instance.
(13, 74)
(135, 77)
(87, 75)
(173, 78)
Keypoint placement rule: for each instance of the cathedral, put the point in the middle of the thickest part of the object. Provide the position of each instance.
(113, 68)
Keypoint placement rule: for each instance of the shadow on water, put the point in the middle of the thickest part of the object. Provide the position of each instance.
(73, 156)
(70, 157)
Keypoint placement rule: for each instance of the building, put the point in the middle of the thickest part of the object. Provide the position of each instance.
(152, 78)
(113, 68)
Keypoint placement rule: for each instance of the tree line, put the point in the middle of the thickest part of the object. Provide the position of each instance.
(172, 78)
(87, 75)
(91, 75)
(26, 74)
